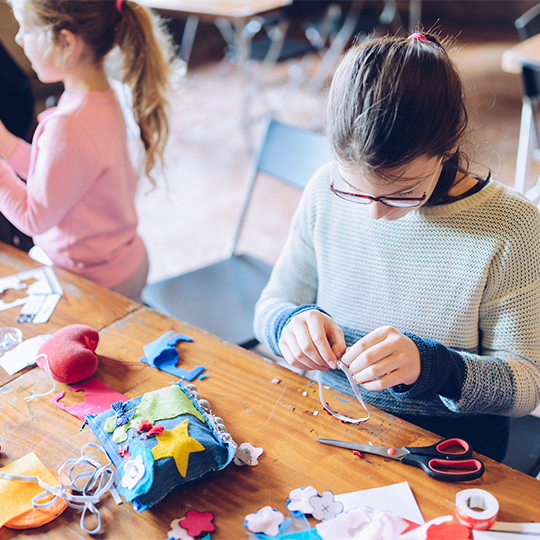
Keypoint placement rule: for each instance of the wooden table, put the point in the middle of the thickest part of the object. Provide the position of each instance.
(276, 417)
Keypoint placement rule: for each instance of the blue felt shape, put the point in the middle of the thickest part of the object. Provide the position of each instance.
(123, 416)
(162, 355)
(145, 483)
(309, 534)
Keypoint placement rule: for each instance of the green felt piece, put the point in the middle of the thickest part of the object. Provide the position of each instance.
(160, 404)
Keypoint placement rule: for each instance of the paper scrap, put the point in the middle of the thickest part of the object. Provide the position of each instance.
(395, 498)
(23, 355)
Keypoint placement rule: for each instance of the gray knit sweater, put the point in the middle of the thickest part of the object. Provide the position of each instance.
(462, 280)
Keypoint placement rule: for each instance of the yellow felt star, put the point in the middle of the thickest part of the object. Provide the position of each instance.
(177, 444)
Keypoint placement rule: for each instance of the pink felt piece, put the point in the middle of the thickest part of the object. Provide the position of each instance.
(70, 353)
(98, 397)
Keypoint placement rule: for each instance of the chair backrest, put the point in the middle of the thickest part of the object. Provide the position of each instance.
(287, 153)
(528, 24)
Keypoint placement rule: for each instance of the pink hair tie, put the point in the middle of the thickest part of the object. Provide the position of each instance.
(421, 37)
(118, 5)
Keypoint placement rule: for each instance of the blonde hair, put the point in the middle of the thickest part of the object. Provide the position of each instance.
(147, 56)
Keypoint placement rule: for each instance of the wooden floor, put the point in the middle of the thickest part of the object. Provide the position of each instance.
(189, 219)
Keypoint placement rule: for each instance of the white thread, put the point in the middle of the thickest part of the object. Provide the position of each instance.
(33, 395)
(357, 394)
(99, 482)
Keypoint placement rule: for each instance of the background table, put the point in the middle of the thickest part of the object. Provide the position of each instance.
(276, 417)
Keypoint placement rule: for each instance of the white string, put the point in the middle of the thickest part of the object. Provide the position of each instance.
(53, 389)
(357, 394)
(101, 479)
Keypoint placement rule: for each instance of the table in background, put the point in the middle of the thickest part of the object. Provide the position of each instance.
(82, 302)
(276, 417)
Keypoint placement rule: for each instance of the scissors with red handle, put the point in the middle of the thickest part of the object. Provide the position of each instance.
(436, 460)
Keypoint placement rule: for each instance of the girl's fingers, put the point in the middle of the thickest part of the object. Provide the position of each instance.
(296, 345)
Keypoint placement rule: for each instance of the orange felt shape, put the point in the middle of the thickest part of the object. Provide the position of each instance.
(16, 497)
(70, 353)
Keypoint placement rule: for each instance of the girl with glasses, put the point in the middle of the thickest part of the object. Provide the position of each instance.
(421, 278)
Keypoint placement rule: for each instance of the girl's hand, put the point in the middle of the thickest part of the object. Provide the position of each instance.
(8, 141)
(312, 340)
(382, 359)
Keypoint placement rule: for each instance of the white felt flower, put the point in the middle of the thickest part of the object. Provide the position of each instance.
(267, 520)
(252, 454)
(177, 532)
(299, 500)
(133, 472)
(325, 506)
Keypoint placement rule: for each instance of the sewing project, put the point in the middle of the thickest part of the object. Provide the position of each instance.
(162, 442)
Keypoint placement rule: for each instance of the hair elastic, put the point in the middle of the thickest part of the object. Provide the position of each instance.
(421, 37)
(119, 5)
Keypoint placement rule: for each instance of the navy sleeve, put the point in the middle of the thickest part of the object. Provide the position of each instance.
(442, 372)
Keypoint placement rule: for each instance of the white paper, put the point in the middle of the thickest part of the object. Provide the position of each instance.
(492, 535)
(23, 355)
(396, 498)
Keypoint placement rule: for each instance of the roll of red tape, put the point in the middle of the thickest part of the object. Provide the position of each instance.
(476, 509)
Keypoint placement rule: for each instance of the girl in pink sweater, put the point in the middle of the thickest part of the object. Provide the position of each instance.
(78, 199)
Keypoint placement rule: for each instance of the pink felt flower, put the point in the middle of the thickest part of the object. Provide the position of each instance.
(252, 454)
(144, 425)
(299, 500)
(325, 506)
(198, 522)
(267, 520)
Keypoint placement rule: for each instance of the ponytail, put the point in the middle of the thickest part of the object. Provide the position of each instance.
(147, 57)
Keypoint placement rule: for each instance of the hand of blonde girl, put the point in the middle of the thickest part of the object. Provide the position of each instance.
(382, 359)
(312, 341)
(8, 142)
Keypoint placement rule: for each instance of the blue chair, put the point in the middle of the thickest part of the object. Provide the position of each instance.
(220, 298)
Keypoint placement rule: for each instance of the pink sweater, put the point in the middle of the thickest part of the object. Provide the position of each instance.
(78, 203)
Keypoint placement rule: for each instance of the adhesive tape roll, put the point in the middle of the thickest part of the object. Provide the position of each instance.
(476, 509)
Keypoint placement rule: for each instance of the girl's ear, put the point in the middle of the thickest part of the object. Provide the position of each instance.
(67, 40)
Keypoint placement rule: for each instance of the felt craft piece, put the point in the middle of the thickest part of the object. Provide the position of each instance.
(38, 516)
(267, 520)
(198, 522)
(192, 445)
(16, 497)
(325, 506)
(160, 404)
(299, 500)
(177, 444)
(177, 532)
(70, 353)
(161, 354)
(251, 455)
(98, 397)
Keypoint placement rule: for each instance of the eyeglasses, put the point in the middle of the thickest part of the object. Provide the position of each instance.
(396, 202)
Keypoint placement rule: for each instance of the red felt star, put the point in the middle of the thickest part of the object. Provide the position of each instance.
(198, 522)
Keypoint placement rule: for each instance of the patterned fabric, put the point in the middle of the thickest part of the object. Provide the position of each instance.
(462, 279)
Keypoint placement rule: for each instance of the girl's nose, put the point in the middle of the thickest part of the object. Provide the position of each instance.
(378, 210)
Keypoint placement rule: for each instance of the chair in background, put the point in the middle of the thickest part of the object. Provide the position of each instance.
(527, 26)
(220, 298)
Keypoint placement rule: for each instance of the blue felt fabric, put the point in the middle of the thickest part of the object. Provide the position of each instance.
(161, 354)
(166, 478)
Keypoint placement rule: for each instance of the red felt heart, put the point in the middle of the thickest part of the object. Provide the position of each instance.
(70, 353)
